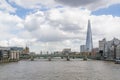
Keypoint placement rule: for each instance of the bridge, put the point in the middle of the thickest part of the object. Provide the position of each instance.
(62, 56)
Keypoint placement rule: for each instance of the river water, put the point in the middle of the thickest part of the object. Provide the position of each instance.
(58, 69)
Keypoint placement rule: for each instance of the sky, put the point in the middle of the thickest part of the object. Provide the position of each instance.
(52, 25)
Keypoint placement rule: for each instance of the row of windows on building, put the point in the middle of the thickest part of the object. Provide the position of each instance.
(110, 49)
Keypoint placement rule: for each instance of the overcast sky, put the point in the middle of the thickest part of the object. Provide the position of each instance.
(51, 25)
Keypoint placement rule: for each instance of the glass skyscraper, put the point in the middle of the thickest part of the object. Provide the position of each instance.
(89, 42)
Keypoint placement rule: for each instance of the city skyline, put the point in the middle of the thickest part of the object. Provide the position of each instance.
(59, 39)
(51, 25)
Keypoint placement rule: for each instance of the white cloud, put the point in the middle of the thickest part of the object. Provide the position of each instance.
(9, 25)
(47, 26)
(106, 26)
(21, 42)
(68, 19)
(34, 4)
(66, 27)
(4, 42)
(33, 21)
(6, 7)
(56, 28)
(15, 41)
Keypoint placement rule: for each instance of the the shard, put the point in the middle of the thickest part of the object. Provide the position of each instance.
(89, 42)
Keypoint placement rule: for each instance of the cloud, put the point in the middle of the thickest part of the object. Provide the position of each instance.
(88, 4)
(77, 2)
(56, 24)
(70, 24)
(56, 28)
(68, 19)
(15, 41)
(33, 4)
(9, 25)
(106, 26)
(6, 7)
(33, 21)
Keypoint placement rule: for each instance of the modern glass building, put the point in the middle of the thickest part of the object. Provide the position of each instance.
(89, 42)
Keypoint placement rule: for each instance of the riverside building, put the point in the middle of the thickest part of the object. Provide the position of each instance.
(109, 50)
(8, 54)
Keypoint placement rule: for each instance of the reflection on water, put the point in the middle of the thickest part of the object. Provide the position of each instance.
(60, 70)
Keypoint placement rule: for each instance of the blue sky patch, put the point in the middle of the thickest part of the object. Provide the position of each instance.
(113, 10)
(20, 11)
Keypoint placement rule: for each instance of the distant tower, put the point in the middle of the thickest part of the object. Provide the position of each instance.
(26, 50)
(89, 42)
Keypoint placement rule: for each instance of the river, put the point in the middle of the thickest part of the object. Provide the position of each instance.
(58, 69)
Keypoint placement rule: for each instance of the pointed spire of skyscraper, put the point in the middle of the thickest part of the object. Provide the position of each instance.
(89, 43)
